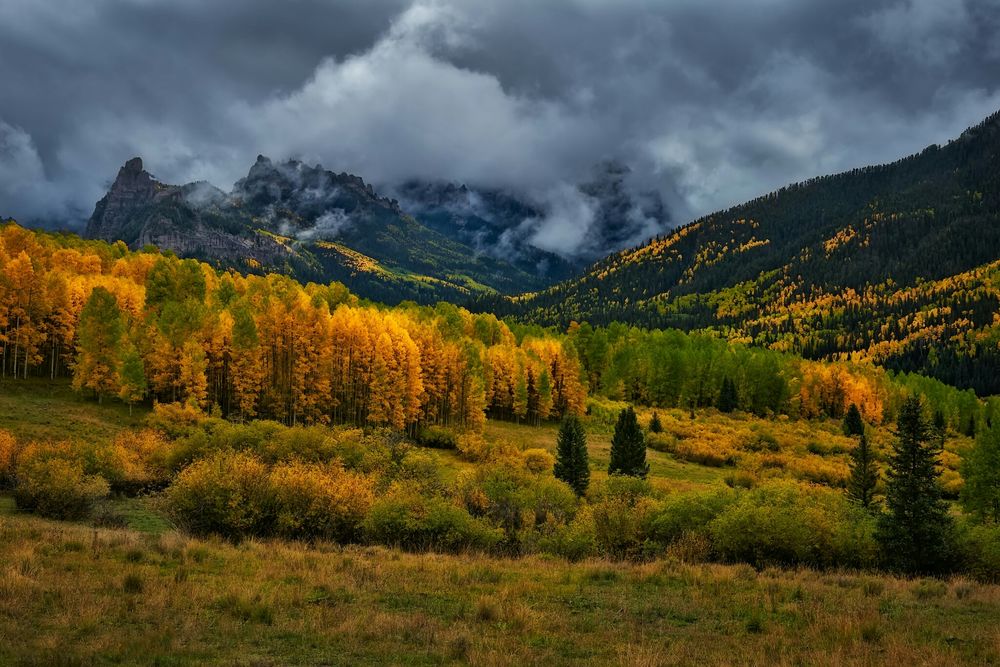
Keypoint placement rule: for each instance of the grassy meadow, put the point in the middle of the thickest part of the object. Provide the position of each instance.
(72, 593)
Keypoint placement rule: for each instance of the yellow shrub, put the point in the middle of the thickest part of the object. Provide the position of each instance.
(320, 501)
(57, 487)
(134, 460)
(538, 460)
(8, 458)
(226, 493)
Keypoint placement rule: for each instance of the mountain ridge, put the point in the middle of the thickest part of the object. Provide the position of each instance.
(871, 231)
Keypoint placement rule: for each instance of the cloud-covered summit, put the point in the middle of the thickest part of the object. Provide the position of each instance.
(708, 103)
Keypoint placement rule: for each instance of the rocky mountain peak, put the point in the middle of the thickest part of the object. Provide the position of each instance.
(133, 188)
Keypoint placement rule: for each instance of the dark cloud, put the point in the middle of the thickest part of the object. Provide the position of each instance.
(708, 102)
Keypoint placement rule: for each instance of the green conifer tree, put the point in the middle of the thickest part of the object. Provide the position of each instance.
(655, 426)
(729, 398)
(915, 532)
(572, 463)
(864, 473)
(628, 447)
(853, 423)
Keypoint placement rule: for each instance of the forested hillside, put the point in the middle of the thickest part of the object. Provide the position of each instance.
(144, 326)
(892, 263)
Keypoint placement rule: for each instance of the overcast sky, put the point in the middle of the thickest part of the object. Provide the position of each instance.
(711, 102)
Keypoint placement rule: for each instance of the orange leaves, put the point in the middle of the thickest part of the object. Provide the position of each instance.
(264, 345)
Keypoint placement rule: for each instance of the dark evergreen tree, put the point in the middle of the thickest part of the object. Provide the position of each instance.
(915, 532)
(864, 473)
(572, 463)
(628, 447)
(654, 424)
(970, 429)
(532, 411)
(853, 423)
(729, 398)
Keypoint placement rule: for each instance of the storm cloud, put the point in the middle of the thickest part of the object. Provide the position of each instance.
(708, 102)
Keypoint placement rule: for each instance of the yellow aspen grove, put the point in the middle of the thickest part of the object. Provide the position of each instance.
(258, 346)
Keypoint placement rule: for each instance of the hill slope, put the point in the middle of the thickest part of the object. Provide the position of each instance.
(892, 263)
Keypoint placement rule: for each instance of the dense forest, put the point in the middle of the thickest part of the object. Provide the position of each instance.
(894, 263)
(143, 326)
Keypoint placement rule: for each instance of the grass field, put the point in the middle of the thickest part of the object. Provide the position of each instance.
(70, 594)
(74, 594)
(42, 410)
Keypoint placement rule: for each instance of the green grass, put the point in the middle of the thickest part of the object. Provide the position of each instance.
(664, 470)
(36, 409)
(73, 595)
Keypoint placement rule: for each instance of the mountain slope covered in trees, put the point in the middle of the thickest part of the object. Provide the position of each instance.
(893, 263)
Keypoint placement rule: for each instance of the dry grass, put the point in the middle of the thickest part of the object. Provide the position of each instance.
(69, 594)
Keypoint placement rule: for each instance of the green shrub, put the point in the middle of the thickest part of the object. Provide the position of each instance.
(627, 488)
(437, 437)
(683, 513)
(57, 487)
(574, 541)
(500, 493)
(553, 501)
(788, 523)
(659, 441)
(407, 519)
(227, 493)
(979, 546)
(423, 470)
(620, 526)
(760, 441)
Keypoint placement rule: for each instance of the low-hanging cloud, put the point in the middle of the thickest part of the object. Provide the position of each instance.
(708, 103)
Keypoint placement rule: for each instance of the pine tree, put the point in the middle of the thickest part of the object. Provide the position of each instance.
(864, 473)
(981, 472)
(654, 424)
(628, 447)
(915, 531)
(572, 464)
(729, 398)
(853, 424)
(533, 398)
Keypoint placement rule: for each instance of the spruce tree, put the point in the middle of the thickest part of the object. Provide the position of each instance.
(654, 424)
(728, 396)
(864, 473)
(853, 424)
(915, 531)
(572, 465)
(628, 447)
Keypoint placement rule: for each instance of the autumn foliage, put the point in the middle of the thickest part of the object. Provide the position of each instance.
(142, 326)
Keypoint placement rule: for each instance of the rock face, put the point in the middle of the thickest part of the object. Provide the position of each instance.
(132, 190)
(140, 210)
(301, 219)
